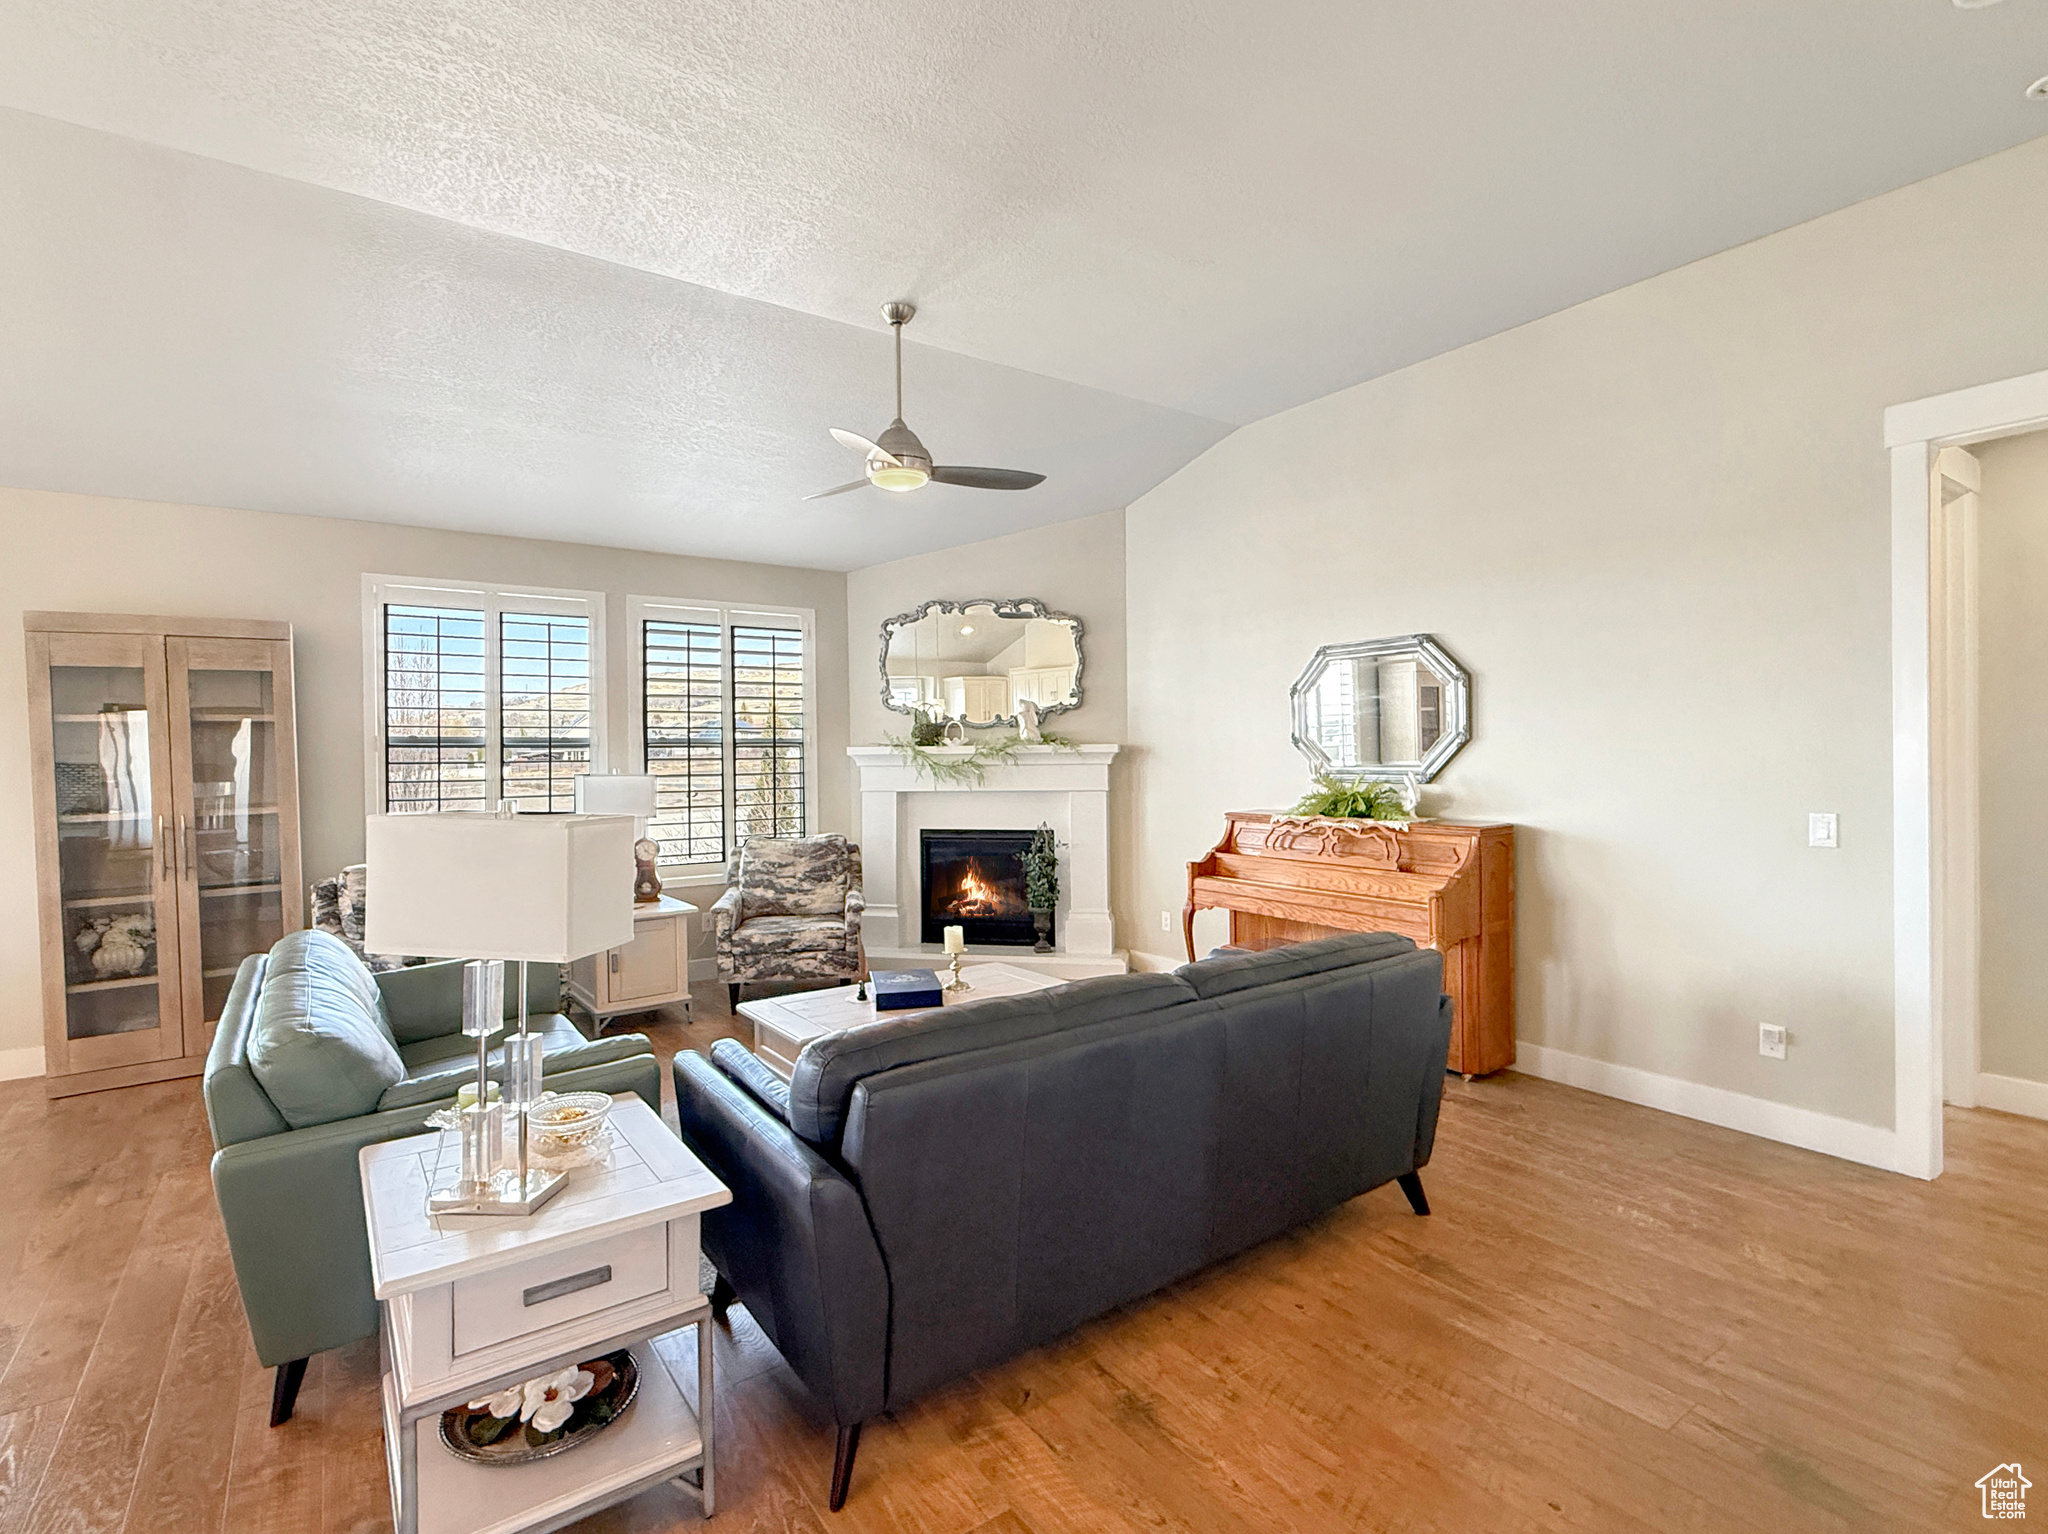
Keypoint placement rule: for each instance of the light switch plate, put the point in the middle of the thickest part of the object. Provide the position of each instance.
(1770, 1041)
(1823, 829)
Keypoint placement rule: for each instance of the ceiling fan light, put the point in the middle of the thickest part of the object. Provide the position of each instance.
(897, 477)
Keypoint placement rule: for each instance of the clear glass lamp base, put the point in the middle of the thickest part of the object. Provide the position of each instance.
(500, 1194)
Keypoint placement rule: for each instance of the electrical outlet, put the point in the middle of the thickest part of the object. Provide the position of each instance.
(1166, 921)
(1770, 1041)
(1823, 829)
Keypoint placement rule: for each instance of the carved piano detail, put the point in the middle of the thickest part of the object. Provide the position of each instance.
(1448, 886)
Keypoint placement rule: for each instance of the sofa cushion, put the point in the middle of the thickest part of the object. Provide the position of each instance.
(319, 1046)
(1237, 970)
(439, 1068)
(790, 934)
(833, 1063)
(804, 876)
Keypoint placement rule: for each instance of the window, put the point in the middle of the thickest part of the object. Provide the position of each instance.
(479, 695)
(725, 713)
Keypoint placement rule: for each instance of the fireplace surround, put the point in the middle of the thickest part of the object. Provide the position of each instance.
(1065, 787)
(974, 880)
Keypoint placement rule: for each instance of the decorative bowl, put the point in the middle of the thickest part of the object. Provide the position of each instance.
(564, 1121)
(486, 1440)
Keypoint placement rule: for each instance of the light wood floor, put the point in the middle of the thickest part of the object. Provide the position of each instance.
(1614, 1320)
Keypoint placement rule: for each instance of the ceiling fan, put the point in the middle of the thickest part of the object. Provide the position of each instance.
(899, 461)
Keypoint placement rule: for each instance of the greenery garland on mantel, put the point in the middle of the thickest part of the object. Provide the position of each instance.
(969, 764)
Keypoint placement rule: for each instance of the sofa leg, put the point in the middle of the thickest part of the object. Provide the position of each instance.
(842, 1464)
(722, 1296)
(1411, 1184)
(284, 1391)
(732, 992)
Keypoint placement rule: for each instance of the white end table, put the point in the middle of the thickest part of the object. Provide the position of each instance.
(473, 1303)
(783, 1025)
(651, 971)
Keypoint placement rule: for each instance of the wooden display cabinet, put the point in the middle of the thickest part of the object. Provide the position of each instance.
(165, 791)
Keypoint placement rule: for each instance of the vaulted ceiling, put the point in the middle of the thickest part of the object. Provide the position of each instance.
(607, 271)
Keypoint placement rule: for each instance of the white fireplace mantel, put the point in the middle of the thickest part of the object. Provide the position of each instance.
(1064, 787)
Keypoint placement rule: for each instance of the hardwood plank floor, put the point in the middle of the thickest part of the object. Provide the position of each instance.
(1615, 1320)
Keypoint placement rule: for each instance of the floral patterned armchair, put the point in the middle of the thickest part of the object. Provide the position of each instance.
(792, 912)
(337, 907)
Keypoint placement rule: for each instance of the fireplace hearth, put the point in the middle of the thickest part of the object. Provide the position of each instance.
(975, 880)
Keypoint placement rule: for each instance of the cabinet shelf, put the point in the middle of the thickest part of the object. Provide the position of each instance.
(119, 713)
(102, 817)
(118, 983)
(91, 902)
(231, 716)
(216, 891)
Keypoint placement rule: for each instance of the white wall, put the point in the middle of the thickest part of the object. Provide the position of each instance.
(67, 552)
(2012, 534)
(1655, 527)
(1073, 567)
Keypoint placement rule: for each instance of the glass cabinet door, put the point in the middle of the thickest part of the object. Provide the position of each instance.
(113, 914)
(236, 852)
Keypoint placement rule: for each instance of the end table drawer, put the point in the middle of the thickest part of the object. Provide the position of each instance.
(562, 1286)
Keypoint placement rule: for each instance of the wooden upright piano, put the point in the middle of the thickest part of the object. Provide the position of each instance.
(1447, 885)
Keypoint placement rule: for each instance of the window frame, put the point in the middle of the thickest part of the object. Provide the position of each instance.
(493, 602)
(745, 614)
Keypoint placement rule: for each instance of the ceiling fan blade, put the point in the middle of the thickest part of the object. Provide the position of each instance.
(861, 444)
(986, 479)
(856, 484)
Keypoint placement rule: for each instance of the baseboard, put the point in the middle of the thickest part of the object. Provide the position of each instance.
(703, 969)
(1846, 1138)
(2013, 1094)
(1154, 963)
(19, 1064)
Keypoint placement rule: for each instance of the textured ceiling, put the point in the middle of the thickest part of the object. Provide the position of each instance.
(1221, 209)
(182, 330)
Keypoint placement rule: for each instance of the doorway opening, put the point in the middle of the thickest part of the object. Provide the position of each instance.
(1937, 448)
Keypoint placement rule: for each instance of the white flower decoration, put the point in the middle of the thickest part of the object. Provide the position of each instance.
(551, 1398)
(506, 1403)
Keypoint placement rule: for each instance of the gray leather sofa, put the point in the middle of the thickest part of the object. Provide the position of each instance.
(316, 1057)
(931, 1195)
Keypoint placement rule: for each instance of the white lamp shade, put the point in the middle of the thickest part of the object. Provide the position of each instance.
(464, 885)
(618, 793)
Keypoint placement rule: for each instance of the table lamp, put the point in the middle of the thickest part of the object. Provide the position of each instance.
(462, 884)
(626, 793)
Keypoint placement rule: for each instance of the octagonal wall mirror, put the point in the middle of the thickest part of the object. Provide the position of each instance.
(1383, 708)
(973, 661)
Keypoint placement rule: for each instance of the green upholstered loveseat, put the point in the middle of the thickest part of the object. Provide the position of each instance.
(316, 1057)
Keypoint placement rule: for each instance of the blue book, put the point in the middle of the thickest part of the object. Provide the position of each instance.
(897, 990)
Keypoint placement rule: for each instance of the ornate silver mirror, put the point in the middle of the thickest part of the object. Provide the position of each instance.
(1383, 708)
(975, 661)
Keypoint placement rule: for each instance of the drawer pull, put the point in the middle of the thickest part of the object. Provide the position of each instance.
(554, 1289)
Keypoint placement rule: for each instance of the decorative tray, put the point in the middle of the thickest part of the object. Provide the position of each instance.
(475, 1435)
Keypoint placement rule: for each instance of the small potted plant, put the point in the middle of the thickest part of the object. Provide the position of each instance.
(1359, 799)
(1042, 884)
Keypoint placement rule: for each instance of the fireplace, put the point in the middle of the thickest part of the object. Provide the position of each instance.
(975, 880)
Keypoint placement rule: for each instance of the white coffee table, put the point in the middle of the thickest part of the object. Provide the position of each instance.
(783, 1025)
(474, 1303)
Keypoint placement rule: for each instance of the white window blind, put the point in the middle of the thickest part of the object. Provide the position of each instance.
(726, 703)
(479, 694)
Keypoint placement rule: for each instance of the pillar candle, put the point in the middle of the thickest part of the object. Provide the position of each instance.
(956, 940)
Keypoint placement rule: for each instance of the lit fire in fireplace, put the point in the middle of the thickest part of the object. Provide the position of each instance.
(977, 896)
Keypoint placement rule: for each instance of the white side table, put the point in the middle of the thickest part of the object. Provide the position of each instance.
(651, 971)
(472, 1304)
